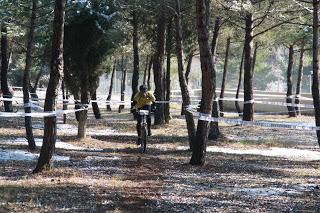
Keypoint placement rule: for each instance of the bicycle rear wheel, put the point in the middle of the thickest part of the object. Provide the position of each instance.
(143, 135)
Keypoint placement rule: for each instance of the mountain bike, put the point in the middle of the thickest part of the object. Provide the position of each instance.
(143, 130)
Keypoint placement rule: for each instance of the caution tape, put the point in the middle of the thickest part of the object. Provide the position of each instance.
(262, 123)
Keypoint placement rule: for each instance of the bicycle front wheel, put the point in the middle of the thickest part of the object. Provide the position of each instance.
(143, 135)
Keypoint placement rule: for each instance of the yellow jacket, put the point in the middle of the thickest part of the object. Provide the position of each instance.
(143, 101)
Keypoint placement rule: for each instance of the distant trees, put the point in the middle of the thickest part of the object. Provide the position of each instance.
(89, 36)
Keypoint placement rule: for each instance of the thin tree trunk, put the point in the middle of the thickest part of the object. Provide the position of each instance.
(254, 59)
(84, 99)
(33, 90)
(77, 106)
(26, 78)
(214, 131)
(146, 70)
(188, 69)
(291, 110)
(315, 63)
(123, 83)
(4, 69)
(135, 74)
(95, 106)
(248, 108)
(158, 69)
(50, 123)
(182, 80)
(224, 78)
(299, 79)
(208, 81)
(111, 86)
(65, 100)
(167, 116)
(239, 84)
(149, 72)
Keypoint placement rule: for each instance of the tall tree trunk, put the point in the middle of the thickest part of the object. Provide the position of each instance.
(299, 79)
(135, 74)
(33, 90)
(65, 100)
(224, 78)
(183, 83)
(291, 110)
(4, 69)
(208, 81)
(146, 70)
(123, 83)
(214, 131)
(158, 69)
(50, 123)
(26, 78)
(239, 84)
(167, 116)
(248, 108)
(315, 63)
(111, 86)
(149, 72)
(95, 106)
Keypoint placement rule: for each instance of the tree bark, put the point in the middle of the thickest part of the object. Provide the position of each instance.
(123, 83)
(4, 69)
(167, 115)
(95, 106)
(208, 81)
(56, 73)
(26, 78)
(111, 87)
(182, 80)
(248, 106)
(84, 99)
(299, 79)
(239, 84)
(291, 110)
(224, 78)
(214, 131)
(135, 74)
(315, 63)
(158, 69)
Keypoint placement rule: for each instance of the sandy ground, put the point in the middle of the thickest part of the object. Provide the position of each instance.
(250, 169)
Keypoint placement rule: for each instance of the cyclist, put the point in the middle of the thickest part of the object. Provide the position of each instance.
(143, 100)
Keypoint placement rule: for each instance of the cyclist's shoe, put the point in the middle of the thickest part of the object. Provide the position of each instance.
(138, 141)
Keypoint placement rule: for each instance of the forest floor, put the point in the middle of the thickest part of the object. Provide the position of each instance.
(250, 169)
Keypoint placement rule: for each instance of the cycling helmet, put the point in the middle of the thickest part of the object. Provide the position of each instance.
(143, 88)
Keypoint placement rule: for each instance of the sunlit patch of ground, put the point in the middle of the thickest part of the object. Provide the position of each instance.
(105, 172)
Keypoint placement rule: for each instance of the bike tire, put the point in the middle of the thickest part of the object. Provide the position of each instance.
(143, 135)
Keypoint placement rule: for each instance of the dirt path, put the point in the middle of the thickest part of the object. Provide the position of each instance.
(109, 175)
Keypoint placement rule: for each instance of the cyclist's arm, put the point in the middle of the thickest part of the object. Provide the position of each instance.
(152, 98)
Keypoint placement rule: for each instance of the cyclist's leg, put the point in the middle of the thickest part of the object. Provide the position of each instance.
(138, 126)
(149, 121)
